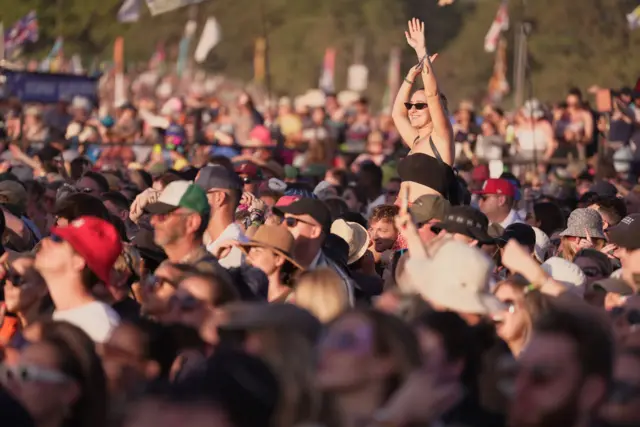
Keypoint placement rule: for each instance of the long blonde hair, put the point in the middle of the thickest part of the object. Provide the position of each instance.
(321, 292)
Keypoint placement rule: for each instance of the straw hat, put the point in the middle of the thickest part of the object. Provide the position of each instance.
(355, 235)
(273, 237)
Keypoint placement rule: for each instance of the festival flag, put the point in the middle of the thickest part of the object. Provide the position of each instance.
(157, 7)
(498, 84)
(76, 65)
(500, 23)
(118, 54)
(23, 31)
(129, 11)
(327, 83)
(183, 48)
(210, 37)
(633, 19)
(54, 58)
(259, 60)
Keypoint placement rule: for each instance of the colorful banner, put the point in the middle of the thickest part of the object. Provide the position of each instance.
(498, 84)
(161, 6)
(118, 54)
(259, 60)
(26, 30)
(48, 88)
(500, 23)
(183, 48)
(129, 11)
(327, 79)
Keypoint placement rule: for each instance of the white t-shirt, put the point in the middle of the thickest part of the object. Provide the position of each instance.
(236, 256)
(96, 318)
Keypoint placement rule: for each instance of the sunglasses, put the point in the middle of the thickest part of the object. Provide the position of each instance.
(392, 192)
(359, 340)
(185, 302)
(55, 238)
(14, 277)
(418, 105)
(632, 316)
(27, 373)
(154, 282)
(292, 222)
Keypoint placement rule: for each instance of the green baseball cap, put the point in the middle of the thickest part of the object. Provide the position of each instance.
(428, 207)
(180, 194)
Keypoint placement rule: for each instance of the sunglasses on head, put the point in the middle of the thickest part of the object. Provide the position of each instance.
(418, 105)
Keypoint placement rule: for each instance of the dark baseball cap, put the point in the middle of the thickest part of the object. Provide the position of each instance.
(467, 221)
(521, 233)
(219, 177)
(626, 234)
(604, 189)
(428, 207)
(315, 208)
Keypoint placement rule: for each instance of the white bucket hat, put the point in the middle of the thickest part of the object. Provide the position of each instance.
(355, 235)
(457, 277)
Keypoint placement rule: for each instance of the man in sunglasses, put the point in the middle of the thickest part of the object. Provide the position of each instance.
(497, 202)
(72, 261)
(223, 191)
(309, 220)
(565, 371)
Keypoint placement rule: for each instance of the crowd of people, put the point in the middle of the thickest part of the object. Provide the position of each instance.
(180, 261)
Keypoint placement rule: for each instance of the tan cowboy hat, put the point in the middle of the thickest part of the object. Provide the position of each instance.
(273, 237)
(355, 235)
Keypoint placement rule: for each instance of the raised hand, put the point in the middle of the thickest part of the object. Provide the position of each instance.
(415, 36)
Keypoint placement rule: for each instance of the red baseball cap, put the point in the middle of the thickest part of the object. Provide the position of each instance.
(95, 240)
(498, 186)
(247, 168)
(287, 200)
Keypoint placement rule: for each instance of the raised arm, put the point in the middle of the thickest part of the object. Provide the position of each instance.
(441, 125)
(399, 112)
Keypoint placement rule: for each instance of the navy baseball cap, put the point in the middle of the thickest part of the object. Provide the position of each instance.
(219, 177)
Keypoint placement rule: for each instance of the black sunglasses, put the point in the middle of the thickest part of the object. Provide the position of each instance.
(632, 316)
(418, 105)
(292, 222)
(13, 276)
(185, 302)
(154, 282)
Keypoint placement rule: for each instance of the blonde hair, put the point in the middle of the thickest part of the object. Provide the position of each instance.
(567, 252)
(321, 292)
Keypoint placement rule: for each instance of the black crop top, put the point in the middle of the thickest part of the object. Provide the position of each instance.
(427, 170)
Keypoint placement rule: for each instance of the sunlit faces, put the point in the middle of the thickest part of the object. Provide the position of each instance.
(547, 384)
(55, 256)
(169, 228)
(302, 226)
(346, 354)
(383, 233)
(513, 322)
(23, 287)
(39, 384)
(419, 118)
(265, 259)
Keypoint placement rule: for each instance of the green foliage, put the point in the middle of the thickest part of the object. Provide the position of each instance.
(573, 43)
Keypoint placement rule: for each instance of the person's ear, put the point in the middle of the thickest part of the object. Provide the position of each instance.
(77, 262)
(593, 392)
(193, 223)
(317, 231)
(279, 260)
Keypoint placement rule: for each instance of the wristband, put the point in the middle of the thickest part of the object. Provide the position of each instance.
(408, 81)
